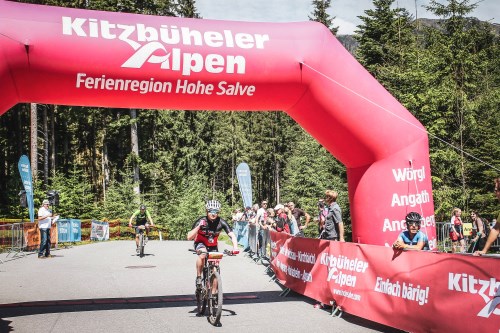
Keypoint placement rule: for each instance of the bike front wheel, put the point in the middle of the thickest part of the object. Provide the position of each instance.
(215, 298)
(141, 245)
(201, 301)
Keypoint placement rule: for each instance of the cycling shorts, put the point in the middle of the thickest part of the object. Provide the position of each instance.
(198, 246)
(137, 230)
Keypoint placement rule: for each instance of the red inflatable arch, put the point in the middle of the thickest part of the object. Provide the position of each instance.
(76, 57)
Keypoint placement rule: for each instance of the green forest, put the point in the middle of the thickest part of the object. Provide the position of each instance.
(104, 162)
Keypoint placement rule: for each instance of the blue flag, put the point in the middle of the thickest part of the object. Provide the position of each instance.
(25, 171)
(245, 183)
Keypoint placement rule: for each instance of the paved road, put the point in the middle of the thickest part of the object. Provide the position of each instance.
(105, 287)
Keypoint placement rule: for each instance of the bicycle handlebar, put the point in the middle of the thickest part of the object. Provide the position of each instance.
(225, 252)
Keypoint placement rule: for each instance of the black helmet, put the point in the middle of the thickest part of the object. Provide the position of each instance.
(413, 217)
(143, 206)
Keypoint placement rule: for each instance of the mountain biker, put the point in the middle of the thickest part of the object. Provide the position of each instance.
(412, 238)
(141, 217)
(205, 232)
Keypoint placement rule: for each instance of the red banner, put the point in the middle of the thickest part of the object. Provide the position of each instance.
(417, 291)
(32, 235)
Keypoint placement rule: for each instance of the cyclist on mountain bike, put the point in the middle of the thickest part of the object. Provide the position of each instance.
(205, 232)
(141, 217)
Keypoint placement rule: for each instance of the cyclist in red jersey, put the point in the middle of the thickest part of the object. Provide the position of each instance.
(205, 232)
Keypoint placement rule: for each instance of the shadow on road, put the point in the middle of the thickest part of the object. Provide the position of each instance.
(97, 304)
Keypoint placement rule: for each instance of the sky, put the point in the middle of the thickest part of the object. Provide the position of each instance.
(346, 12)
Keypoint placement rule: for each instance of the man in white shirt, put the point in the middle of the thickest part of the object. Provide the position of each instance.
(44, 224)
(261, 219)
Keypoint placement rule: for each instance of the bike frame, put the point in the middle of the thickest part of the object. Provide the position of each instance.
(211, 289)
(142, 243)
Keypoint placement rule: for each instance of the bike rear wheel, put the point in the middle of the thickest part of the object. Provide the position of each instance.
(215, 298)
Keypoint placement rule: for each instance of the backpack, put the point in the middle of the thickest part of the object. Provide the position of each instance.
(282, 223)
(486, 226)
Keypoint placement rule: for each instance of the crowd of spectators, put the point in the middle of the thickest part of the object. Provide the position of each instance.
(290, 219)
(293, 220)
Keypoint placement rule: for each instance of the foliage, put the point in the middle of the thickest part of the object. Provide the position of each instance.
(320, 15)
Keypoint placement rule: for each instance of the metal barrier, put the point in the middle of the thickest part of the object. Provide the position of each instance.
(265, 246)
(444, 241)
(12, 239)
(17, 239)
(252, 238)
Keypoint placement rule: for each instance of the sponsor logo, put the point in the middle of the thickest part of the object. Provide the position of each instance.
(340, 268)
(161, 45)
(489, 290)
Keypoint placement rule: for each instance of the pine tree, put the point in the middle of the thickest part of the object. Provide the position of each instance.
(383, 36)
(320, 14)
(459, 46)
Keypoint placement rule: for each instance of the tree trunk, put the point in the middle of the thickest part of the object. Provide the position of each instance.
(53, 141)
(277, 178)
(34, 140)
(45, 148)
(105, 166)
(135, 149)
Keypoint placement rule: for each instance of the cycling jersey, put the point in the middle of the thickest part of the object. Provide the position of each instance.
(141, 218)
(419, 237)
(209, 233)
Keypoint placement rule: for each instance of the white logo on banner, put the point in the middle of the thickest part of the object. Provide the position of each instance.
(338, 264)
(149, 43)
(489, 290)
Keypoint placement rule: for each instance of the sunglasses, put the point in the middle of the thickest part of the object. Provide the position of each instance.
(213, 211)
(413, 223)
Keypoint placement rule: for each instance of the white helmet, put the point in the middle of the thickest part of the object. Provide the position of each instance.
(212, 204)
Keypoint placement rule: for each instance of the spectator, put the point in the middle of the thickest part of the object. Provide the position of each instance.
(261, 220)
(456, 230)
(334, 226)
(495, 231)
(237, 216)
(481, 233)
(298, 213)
(44, 224)
(248, 214)
(294, 228)
(412, 238)
(282, 223)
(270, 218)
(253, 215)
(322, 213)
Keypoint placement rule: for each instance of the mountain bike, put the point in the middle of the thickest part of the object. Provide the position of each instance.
(210, 293)
(143, 239)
